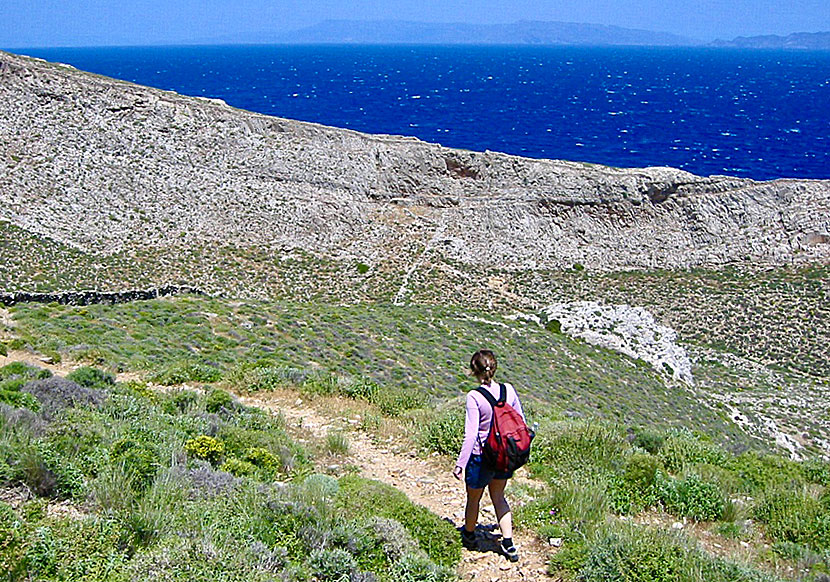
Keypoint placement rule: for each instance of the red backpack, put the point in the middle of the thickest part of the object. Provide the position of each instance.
(508, 444)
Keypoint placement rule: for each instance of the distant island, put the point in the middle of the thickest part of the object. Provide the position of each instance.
(795, 41)
(517, 33)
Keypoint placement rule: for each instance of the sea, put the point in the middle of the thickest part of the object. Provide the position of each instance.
(749, 113)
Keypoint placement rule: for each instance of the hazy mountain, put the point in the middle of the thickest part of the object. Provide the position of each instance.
(523, 32)
(796, 41)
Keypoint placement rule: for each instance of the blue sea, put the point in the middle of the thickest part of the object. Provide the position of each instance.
(758, 114)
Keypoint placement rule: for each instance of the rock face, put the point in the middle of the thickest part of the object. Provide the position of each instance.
(106, 166)
(628, 330)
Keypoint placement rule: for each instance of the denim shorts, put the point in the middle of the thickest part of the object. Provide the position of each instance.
(478, 477)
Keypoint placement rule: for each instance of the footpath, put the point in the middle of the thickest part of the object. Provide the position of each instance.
(426, 481)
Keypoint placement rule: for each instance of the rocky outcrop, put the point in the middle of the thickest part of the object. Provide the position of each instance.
(106, 167)
(629, 330)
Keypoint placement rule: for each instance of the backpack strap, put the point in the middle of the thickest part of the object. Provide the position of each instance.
(489, 397)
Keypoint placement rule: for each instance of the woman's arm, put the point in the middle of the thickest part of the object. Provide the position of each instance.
(471, 422)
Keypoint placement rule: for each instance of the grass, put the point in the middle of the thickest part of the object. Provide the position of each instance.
(187, 485)
(258, 344)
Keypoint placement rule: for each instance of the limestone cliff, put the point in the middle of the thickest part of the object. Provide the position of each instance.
(105, 166)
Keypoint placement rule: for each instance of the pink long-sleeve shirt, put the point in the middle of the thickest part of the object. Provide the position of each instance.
(478, 418)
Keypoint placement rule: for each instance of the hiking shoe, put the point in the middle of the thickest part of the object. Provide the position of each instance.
(468, 539)
(511, 553)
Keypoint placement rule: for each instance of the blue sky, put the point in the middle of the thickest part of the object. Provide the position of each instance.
(40, 23)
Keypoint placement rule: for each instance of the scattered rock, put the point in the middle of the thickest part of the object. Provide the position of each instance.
(628, 330)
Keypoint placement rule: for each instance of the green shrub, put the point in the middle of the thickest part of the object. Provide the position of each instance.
(320, 385)
(692, 497)
(182, 372)
(85, 550)
(415, 567)
(361, 389)
(396, 401)
(238, 467)
(758, 472)
(683, 449)
(634, 489)
(582, 446)
(817, 471)
(572, 507)
(641, 471)
(262, 458)
(205, 447)
(17, 344)
(20, 370)
(13, 384)
(218, 400)
(183, 401)
(19, 399)
(263, 377)
(3, 349)
(649, 439)
(359, 497)
(795, 515)
(332, 565)
(91, 378)
(444, 433)
(13, 537)
(137, 460)
(639, 554)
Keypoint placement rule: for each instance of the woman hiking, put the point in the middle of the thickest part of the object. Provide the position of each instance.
(469, 465)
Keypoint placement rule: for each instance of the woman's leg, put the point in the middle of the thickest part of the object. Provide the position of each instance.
(471, 511)
(502, 507)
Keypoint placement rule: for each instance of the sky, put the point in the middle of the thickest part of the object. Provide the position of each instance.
(43, 23)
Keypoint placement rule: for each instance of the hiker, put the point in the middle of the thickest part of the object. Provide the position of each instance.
(470, 463)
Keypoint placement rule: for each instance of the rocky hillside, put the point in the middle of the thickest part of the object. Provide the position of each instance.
(106, 167)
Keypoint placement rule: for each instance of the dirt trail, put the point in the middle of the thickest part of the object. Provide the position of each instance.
(428, 482)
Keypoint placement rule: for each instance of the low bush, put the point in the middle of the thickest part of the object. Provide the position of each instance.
(91, 378)
(443, 433)
(218, 400)
(359, 497)
(57, 394)
(206, 448)
(796, 515)
(415, 567)
(758, 472)
(360, 389)
(571, 508)
(639, 554)
(333, 565)
(13, 536)
(396, 401)
(263, 459)
(634, 489)
(583, 446)
(691, 497)
(238, 467)
(649, 440)
(19, 399)
(183, 372)
(137, 460)
(21, 370)
(683, 449)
